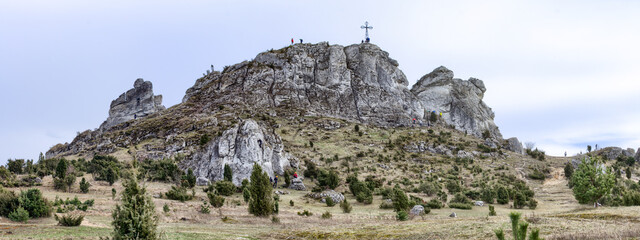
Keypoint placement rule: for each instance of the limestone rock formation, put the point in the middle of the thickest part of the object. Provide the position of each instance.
(135, 103)
(359, 83)
(335, 196)
(240, 147)
(638, 155)
(610, 153)
(460, 101)
(514, 145)
(417, 210)
(297, 184)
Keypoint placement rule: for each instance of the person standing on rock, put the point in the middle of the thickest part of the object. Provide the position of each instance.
(295, 174)
(300, 40)
(291, 40)
(275, 182)
(414, 120)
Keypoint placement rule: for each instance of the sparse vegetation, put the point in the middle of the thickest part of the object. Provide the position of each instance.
(135, 216)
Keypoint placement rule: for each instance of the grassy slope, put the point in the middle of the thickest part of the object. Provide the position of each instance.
(558, 214)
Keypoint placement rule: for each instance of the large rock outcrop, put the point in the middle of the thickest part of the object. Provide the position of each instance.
(459, 101)
(359, 82)
(135, 103)
(240, 147)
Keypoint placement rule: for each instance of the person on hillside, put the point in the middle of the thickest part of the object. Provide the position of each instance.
(291, 40)
(275, 182)
(300, 40)
(414, 120)
(295, 174)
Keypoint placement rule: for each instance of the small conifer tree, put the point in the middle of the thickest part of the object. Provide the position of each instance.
(228, 175)
(260, 202)
(135, 217)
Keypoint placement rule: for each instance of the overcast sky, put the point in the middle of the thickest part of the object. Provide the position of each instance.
(562, 74)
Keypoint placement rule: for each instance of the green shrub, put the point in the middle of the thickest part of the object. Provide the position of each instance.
(135, 217)
(329, 202)
(536, 175)
(113, 193)
(326, 215)
(386, 205)
(492, 210)
(19, 215)
(225, 188)
(402, 215)
(429, 188)
(568, 170)
(502, 195)
(364, 197)
(312, 170)
(519, 201)
(453, 186)
(84, 186)
(400, 200)
(69, 220)
(275, 219)
(105, 168)
(487, 195)
(346, 206)
(204, 208)
(246, 195)
(178, 193)
(164, 170)
(32, 201)
(15, 166)
(8, 202)
(460, 198)
(532, 204)
(434, 204)
(457, 205)
(228, 175)
(260, 202)
(189, 180)
(328, 179)
(305, 213)
(165, 208)
(519, 229)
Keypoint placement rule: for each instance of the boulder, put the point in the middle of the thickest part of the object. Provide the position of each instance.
(137, 102)
(490, 142)
(202, 181)
(629, 152)
(478, 203)
(38, 180)
(335, 196)
(281, 192)
(240, 147)
(453, 214)
(610, 153)
(297, 184)
(514, 145)
(417, 210)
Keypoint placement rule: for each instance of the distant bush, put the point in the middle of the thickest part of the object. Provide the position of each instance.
(328, 179)
(8, 202)
(502, 195)
(228, 174)
(178, 193)
(568, 170)
(105, 168)
(453, 186)
(487, 195)
(346, 207)
(189, 180)
(492, 210)
(69, 220)
(537, 154)
(164, 170)
(386, 205)
(400, 200)
(19, 215)
(537, 175)
(33, 201)
(165, 208)
(84, 186)
(402, 215)
(429, 188)
(312, 170)
(532, 204)
(329, 202)
(519, 200)
(326, 215)
(305, 213)
(246, 195)
(15, 166)
(460, 198)
(434, 204)
(225, 188)
(204, 208)
(464, 206)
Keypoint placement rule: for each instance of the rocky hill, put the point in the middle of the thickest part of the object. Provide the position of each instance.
(230, 117)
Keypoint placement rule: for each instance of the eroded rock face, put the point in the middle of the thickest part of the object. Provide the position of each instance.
(359, 82)
(135, 103)
(460, 101)
(240, 147)
(514, 145)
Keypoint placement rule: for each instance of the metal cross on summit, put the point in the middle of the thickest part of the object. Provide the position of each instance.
(366, 28)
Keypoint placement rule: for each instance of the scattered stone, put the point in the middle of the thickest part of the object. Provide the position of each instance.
(417, 210)
(297, 184)
(202, 181)
(383, 166)
(157, 195)
(38, 180)
(463, 154)
(453, 214)
(335, 196)
(479, 203)
(281, 192)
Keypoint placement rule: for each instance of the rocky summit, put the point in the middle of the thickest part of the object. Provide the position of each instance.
(227, 117)
(137, 102)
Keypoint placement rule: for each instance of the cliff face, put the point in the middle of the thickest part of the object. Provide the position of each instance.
(137, 102)
(358, 82)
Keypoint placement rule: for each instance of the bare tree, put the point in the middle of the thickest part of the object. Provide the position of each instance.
(529, 145)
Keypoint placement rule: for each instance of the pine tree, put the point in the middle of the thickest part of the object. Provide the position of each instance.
(260, 202)
(228, 175)
(400, 200)
(135, 217)
(590, 181)
(84, 186)
(61, 169)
